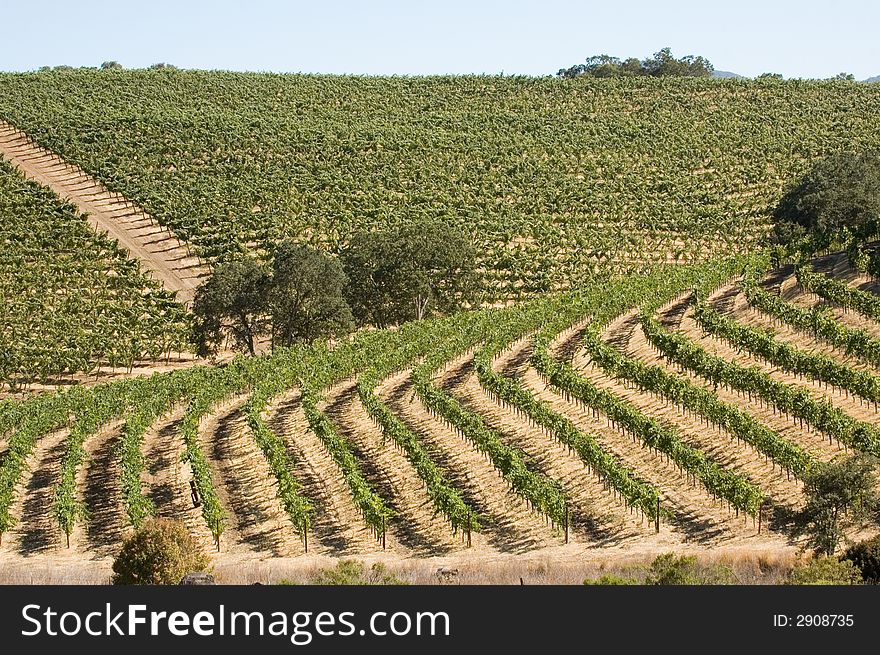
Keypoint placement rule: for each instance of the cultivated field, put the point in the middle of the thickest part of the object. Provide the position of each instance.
(576, 414)
(600, 419)
(72, 300)
(555, 178)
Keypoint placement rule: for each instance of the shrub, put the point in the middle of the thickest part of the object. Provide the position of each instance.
(865, 555)
(840, 494)
(610, 580)
(159, 552)
(671, 569)
(351, 572)
(825, 571)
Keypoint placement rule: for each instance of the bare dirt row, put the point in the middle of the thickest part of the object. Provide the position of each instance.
(596, 516)
(167, 259)
(337, 524)
(509, 525)
(856, 407)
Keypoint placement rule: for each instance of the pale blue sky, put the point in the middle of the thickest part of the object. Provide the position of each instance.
(797, 39)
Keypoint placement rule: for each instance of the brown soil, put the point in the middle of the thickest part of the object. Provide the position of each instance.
(737, 306)
(698, 517)
(509, 525)
(167, 477)
(596, 515)
(37, 531)
(838, 266)
(418, 526)
(718, 444)
(852, 405)
(245, 485)
(99, 485)
(784, 425)
(337, 525)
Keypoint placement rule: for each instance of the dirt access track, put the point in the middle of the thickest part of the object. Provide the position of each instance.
(167, 259)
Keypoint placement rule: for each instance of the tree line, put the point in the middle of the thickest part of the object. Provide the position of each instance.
(381, 278)
(661, 64)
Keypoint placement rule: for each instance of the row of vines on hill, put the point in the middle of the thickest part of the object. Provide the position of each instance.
(555, 179)
(426, 347)
(70, 299)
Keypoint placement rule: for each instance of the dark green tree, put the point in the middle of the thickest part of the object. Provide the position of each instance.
(631, 67)
(662, 64)
(598, 66)
(307, 298)
(840, 191)
(410, 272)
(866, 556)
(839, 494)
(111, 65)
(232, 301)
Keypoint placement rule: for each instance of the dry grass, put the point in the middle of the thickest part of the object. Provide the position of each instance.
(25, 571)
(760, 567)
(563, 565)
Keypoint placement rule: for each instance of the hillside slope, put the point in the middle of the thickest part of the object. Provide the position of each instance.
(70, 299)
(136, 232)
(565, 397)
(554, 178)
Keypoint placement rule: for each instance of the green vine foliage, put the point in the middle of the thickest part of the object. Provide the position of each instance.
(763, 344)
(72, 300)
(835, 291)
(426, 347)
(788, 398)
(556, 179)
(817, 321)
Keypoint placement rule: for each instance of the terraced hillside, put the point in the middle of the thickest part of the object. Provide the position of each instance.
(555, 178)
(657, 411)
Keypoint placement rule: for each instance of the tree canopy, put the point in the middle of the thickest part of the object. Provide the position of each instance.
(232, 301)
(865, 555)
(840, 191)
(839, 494)
(306, 300)
(409, 272)
(299, 297)
(661, 64)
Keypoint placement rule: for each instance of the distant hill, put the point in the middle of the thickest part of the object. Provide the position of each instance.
(728, 74)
